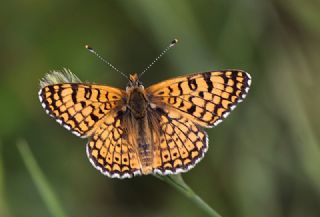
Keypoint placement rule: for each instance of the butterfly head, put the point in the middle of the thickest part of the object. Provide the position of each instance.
(134, 81)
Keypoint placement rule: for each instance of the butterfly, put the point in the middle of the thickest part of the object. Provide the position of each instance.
(141, 131)
(146, 130)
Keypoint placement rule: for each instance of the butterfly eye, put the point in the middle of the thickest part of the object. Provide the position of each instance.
(140, 84)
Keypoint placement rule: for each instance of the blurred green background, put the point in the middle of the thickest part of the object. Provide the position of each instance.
(264, 160)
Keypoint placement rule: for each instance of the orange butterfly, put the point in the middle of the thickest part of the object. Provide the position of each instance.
(146, 130)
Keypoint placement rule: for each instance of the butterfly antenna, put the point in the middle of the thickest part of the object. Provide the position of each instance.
(173, 43)
(105, 61)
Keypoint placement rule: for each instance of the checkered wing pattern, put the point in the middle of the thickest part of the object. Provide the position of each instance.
(182, 143)
(80, 107)
(203, 98)
(109, 150)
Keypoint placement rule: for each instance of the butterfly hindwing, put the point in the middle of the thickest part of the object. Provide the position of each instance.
(109, 151)
(204, 98)
(79, 107)
(182, 144)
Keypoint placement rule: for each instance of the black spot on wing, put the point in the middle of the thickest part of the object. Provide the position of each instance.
(74, 93)
(180, 88)
(87, 93)
(192, 84)
(201, 94)
(191, 109)
(94, 117)
(207, 77)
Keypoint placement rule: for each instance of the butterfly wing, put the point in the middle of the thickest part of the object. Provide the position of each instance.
(182, 144)
(80, 107)
(109, 150)
(204, 98)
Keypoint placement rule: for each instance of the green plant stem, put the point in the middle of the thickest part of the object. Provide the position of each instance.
(178, 183)
(40, 181)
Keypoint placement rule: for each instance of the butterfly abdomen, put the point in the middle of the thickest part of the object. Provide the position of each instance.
(137, 105)
(145, 147)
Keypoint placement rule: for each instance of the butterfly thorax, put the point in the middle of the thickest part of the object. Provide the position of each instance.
(138, 124)
(137, 101)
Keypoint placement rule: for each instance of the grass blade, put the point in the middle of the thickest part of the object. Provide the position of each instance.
(178, 183)
(40, 181)
(3, 205)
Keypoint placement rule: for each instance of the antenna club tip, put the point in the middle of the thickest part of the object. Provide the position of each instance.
(174, 41)
(88, 47)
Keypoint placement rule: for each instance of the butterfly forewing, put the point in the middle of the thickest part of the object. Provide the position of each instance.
(204, 98)
(80, 107)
